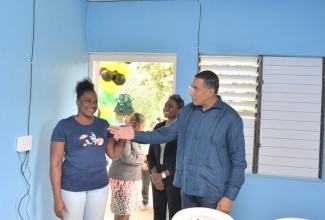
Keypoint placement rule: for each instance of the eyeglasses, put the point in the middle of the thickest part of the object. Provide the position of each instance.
(195, 89)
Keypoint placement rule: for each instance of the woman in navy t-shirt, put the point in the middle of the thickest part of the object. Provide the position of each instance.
(78, 164)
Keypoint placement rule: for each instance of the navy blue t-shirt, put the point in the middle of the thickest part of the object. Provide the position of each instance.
(84, 165)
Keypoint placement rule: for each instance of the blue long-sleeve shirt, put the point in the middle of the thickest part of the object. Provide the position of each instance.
(211, 150)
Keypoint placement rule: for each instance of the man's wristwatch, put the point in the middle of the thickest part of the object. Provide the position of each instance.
(163, 174)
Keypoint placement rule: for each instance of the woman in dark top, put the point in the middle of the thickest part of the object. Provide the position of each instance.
(162, 163)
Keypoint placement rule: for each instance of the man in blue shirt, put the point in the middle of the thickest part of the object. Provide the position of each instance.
(210, 161)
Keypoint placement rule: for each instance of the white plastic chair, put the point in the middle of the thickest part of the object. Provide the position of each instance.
(200, 213)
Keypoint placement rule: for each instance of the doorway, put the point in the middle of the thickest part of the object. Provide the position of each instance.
(148, 79)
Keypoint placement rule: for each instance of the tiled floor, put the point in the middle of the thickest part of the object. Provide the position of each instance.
(138, 214)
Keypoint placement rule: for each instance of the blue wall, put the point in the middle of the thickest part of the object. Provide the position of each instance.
(60, 59)
(282, 28)
(65, 31)
(149, 26)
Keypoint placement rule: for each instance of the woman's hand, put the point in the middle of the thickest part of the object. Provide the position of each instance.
(59, 208)
(144, 167)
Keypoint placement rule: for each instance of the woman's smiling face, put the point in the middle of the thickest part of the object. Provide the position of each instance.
(87, 104)
(170, 109)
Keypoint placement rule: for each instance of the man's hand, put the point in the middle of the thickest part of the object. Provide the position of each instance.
(156, 178)
(125, 132)
(160, 186)
(225, 205)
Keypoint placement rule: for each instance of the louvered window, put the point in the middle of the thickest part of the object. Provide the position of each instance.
(291, 117)
(280, 101)
(238, 79)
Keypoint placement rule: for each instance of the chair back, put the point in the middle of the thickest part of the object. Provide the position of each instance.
(200, 213)
(291, 218)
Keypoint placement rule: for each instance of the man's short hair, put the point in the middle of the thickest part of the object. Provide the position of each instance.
(210, 79)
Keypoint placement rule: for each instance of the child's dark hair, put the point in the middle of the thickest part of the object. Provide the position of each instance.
(178, 99)
(83, 86)
(139, 118)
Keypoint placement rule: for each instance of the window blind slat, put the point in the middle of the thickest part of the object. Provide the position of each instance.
(249, 123)
(249, 147)
(242, 105)
(288, 97)
(228, 79)
(249, 158)
(290, 143)
(290, 162)
(288, 153)
(250, 115)
(288, 171)
(249, 140)
(238, 96)
(293, 71)
(293, 125)
(291, 88)
(249, 167)
(290, 116)
(237, 87)
(291, 107)
(291, 61)
(290, 134)
(228, 60)
(286, 79)
(234, 70)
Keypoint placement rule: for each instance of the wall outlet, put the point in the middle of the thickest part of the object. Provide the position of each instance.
(24, 143)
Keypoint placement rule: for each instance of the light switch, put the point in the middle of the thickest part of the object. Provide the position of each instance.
(24, 143)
